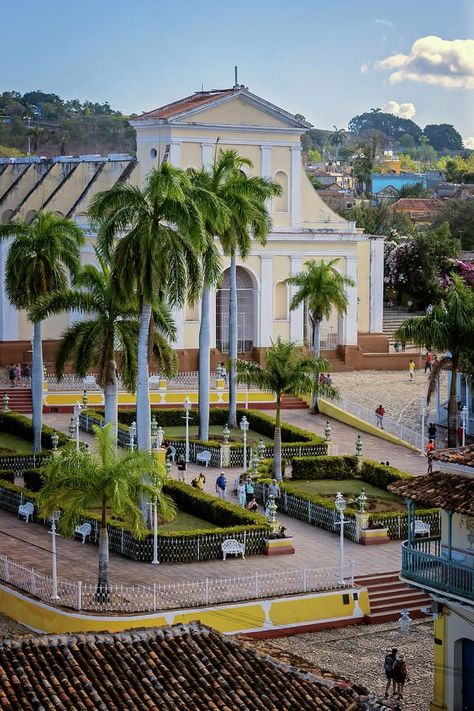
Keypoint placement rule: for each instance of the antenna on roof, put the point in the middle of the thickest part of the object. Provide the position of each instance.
(236, 77)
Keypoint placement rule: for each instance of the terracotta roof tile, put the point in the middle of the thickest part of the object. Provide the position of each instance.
(200, 98)
(443, 490)
(460, 455)
(184, 667)
(416, 204)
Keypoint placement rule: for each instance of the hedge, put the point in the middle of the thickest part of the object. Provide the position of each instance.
(33, 479)
(324, 467)
(21, 426)
(7, 475)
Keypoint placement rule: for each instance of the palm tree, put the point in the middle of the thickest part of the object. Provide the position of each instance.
(40, 260)
(110, 325)
(449, 328)
(77, 482)
(246, 199)
(287, 370)
(156, 256)
(337, 138)
(323, 289)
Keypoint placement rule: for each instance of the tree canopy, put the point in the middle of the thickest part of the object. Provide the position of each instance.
(443, 136)
(390, 125)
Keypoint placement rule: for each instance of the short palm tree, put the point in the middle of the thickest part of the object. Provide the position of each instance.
(78, 482)
(287, 370)
(41, 258)
(246, 199)
(322, 288)
(154, 236)
(449, 329)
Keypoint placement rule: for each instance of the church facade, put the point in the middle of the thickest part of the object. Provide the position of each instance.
(188, 133)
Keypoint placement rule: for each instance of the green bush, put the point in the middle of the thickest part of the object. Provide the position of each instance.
(380, 475)
(21, 426)
(29, 495)
(33, 479)
(324, 467)
(306, 496)
(7, 475)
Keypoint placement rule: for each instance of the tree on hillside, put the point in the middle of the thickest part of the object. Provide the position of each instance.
(337, 139)
(415, 190)
(379, 219)
(390, 125)
(443, 136)
(41, 259)
(459, 214)
(363, 165)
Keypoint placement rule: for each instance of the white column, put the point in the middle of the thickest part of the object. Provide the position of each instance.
(266, 167)
(207, 154)
(9, 315)
(295, 186)
(348, 336)
(376, 285)
(178, 316)
(296, 317)
(266, 300)
(175, 154)
(212, 318)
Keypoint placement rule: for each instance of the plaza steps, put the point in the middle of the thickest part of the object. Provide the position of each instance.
(389, 596)
(393, 319)
(336, 363)
(20, 399)
(290, 402)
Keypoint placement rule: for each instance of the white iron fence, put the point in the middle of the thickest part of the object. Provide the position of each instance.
(193, 593)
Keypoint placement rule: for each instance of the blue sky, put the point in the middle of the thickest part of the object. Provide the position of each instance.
(314, 57)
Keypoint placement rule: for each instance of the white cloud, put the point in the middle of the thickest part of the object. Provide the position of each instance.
(432, 60)
(364, 68)
(406, 110)
(469, 143)
(387, 23)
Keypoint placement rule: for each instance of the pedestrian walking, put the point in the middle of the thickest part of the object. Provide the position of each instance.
(27, 375)
(221, 485)
(411, 369)
(241, 493)
(432, 432)
(249, 489)
(379, 414)
(182, 469)
(390, 659)
(428, 364)
(400, 674)
(274, 490)
(12, 375)
(430, 446)
(429, 456)
(18, 374)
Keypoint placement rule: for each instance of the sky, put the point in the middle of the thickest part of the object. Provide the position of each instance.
(326, 60)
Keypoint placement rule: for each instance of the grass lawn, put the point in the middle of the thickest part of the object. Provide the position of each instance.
(379, 500)
(11, 444)
(235, 434)
(185, 522)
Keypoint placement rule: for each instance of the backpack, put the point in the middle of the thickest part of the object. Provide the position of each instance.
(388, 665)
(194, 483)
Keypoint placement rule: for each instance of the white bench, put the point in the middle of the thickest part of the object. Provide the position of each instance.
(84, 530)
(27, 510)
(89, 381)
(231, 546)
(154, 380)
(204, 457)
(422, 528)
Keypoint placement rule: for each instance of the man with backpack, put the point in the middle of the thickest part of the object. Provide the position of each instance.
(388, 668)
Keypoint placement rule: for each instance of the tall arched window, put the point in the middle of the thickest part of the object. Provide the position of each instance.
(280, 306)
(246, 312)
(280, 204)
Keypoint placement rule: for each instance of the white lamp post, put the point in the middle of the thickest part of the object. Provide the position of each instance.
(132, 431)
(244, 426)
(464, 424)
(154, 513)
(54, 520)
(77, 412)
(423, 417)
(187, 409)
(341, 507)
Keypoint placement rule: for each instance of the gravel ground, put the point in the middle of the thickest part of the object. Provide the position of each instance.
(358, 654)
(9, 628)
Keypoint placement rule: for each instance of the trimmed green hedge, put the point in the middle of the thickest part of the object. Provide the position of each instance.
(33, 479)
(306, 496)
(21, 426)
(381, 475)
(7, 475)
(324, 467)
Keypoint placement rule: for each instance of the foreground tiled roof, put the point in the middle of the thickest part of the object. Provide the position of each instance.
(442, 490)
(461, 455)
(188, 667)
(200, 98)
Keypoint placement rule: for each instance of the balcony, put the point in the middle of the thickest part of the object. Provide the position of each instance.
(423, 564)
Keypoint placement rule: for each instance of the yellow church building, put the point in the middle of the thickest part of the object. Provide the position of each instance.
(187, 133)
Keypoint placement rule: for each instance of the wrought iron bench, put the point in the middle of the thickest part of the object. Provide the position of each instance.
(204, 457)
(422, 528)
(84, 530)
(27, 510)
(231, 546)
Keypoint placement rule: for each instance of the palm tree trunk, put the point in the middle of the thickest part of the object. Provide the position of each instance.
(37, 386)
(102, 592)
(233, 343)
(110, 405)
(204, 367)
(453, 405)
(316, 353)
(277, 442)
(143, 394)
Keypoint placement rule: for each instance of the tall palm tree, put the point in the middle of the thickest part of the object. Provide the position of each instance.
(76, 482)
(337, 138)
(449, 329)
(323, 289)
(111, 325)
(41, 258)
(246, 199)
(154, 235)
(287, 370)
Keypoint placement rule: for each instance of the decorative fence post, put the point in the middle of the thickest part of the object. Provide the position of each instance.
(207, 591)
(154, 597)
(79, 595)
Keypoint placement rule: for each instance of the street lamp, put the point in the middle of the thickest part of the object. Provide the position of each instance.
(226, 433)
(359, 446)
(132, 431)
(244, 426)
(77, 411)
(54, 519)
(85, 399)
(54, 441)
(464, 424)
(341, 507)
(187, 409)
(423, 417)
(153, 431)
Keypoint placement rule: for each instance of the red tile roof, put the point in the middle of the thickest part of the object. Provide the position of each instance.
(185, 667)
(416, 204)
(459, 455)
(443, 490)
(200, 98)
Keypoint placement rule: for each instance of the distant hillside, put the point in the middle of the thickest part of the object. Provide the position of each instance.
(49, 126)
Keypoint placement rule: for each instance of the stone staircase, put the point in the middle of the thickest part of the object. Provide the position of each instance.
(393, 319)
(20, 399)
(389, 596)
(291, 402)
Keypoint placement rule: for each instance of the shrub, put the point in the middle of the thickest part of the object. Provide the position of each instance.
(7, 475)
(380, 475)
(33, 479)
(21, 426)
(324, 467)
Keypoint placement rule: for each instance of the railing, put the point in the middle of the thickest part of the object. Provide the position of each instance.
(181, 381)
(423, 563)
(394, 428)
(192, 593)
